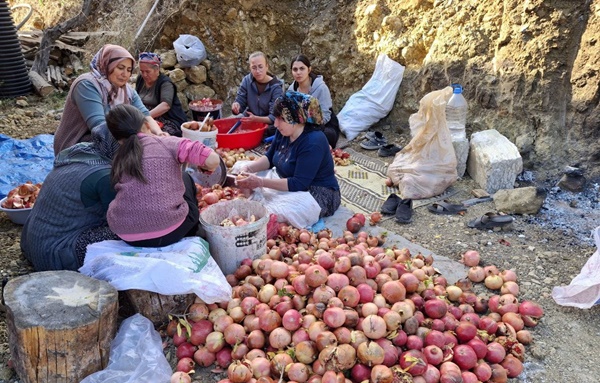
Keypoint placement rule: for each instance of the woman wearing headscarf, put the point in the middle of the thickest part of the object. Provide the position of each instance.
(70, 211)
(299, 153)
(156, 202)
(307, 82)
(159, 94)
(257, 93)
(94, 93)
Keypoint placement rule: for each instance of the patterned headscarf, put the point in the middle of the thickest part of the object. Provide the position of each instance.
(150, 58)
(298, 108)
(98, 152)
(105, 60)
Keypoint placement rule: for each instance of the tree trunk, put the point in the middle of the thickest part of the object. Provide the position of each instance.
(40, 63)
(157, 307)
(60, 325)
(40, 85)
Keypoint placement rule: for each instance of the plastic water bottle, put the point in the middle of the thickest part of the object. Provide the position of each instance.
(456, 113)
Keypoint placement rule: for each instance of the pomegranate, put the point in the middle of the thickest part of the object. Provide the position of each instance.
(353, 225)
(470, 258)
(413, 362)
(435, 308)
(180, 377)
(185, 364)
(239, 372)
(374, 327)
(464, 357)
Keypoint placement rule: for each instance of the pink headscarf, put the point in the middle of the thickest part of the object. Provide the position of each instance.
(104, 62)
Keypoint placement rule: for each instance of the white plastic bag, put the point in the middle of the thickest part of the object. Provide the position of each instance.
(136, 355)
(374, 101)
(299, 209)
(426, 167)
(182, 268)
(584, 290)
(189, 50)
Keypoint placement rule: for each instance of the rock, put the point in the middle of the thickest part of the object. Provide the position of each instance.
(572, 183)
(22, 103)
(494, 162)
(176, 75)
(198, 92)
(169, 59)
(461, 149)
(196, 74)
(527, 200)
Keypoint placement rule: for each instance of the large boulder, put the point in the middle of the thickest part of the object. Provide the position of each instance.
(527, 200)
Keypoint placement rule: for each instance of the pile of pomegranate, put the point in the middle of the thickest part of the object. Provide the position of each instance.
(208, 126)
(319, 309)
(23, 196)
(340, 157)
(231, 156)
(211, 195)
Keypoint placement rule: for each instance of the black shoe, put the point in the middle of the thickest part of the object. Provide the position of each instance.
(390, 205)
(388, 150)
(404, 211)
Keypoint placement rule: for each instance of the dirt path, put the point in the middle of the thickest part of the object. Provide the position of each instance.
(545, 250)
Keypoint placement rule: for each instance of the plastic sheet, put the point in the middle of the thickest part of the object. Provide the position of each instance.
(136, 355)
(24, 160)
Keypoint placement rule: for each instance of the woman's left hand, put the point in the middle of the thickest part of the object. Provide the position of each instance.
(249, 181)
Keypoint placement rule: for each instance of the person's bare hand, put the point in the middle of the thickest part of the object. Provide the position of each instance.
(235, 108)
(248, 181)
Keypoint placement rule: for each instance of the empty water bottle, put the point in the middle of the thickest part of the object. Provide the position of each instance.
(456, 113)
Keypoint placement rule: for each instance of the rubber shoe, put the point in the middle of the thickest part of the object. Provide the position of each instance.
(375, 142)
(404, 211)
(390, 205)
(388, 150)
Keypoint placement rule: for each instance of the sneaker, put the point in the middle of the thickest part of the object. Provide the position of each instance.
(375, 142)
(388, 150)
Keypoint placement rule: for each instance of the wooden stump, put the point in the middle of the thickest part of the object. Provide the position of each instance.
(157, 307)
(60, 325)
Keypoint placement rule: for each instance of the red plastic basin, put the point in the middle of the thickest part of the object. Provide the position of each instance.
(247, 136)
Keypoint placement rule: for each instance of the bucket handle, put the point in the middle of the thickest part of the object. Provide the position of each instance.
(18, 26)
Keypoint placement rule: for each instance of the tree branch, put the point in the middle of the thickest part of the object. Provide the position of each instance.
(40, 63)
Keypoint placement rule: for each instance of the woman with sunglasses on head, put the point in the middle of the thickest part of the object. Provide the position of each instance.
(159, 94)
(257, 93)
(307, 82)
(93, 94)
(156, 203)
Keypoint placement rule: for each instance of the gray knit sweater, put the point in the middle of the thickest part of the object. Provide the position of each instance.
(60, 215)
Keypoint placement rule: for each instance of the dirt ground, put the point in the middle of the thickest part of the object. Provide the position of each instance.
(546, 250)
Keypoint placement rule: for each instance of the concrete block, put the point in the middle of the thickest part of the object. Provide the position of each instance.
(494, 162)
(461, 149)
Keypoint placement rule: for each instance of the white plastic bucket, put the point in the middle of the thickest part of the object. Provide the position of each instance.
(230, 245)
(207, 138)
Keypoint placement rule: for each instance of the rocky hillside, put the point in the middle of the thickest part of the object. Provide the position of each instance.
(529, 68)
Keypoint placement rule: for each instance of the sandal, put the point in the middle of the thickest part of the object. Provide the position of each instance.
(446, 207)
(491, 220)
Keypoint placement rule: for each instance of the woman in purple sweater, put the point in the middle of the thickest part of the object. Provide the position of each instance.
(156, 202)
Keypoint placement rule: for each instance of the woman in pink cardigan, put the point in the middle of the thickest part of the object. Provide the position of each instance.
(156, 202)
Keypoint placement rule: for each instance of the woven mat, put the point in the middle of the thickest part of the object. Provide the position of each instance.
(362, 183)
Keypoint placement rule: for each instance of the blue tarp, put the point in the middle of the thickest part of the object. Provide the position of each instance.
(24, 160)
